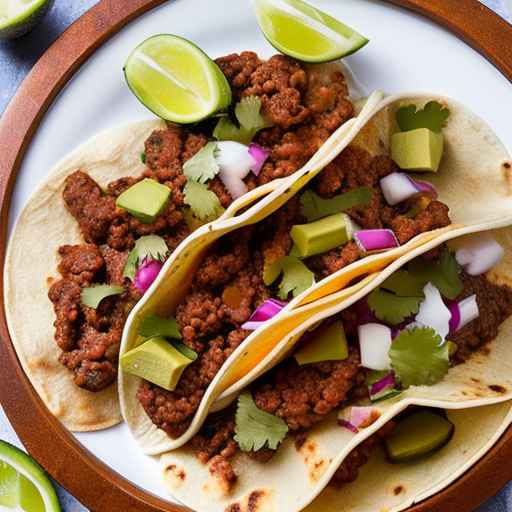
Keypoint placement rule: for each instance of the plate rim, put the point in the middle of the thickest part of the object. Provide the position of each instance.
(65, 459)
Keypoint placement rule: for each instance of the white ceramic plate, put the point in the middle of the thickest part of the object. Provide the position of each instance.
(406, 52)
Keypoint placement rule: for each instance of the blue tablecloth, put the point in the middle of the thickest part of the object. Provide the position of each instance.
(16, 59)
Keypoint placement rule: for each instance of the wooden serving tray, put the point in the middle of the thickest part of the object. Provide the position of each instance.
(91, 481)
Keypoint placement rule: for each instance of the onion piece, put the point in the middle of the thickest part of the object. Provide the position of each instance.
(463, 312)
(374, 343)
(387, 382)
(362, 417)
(259, 154)
(433, 312)
(146, 274)
(235, 163)
(264, 312)
(375, 240)
(479, 254)
(342, 422)
(398, 186)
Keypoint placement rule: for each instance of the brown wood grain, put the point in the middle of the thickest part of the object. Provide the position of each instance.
(92, 482)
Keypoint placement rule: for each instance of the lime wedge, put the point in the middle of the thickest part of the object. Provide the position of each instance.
(17, 17)
(24, 486)
(300, 30)
(176, 80)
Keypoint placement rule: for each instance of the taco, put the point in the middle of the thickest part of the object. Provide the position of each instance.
(315, 237)
(109, 214)
(430, 331)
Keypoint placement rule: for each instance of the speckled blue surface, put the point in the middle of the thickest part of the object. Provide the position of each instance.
(16, 59)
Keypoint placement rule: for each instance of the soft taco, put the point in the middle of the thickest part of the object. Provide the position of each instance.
(110, 213)
(316, 236)
(428, 334)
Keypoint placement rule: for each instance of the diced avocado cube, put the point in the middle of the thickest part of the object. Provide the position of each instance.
(417, 150)
(145, 200)
(157, 361)
(322, 235)
(328, 344)
(417, 435)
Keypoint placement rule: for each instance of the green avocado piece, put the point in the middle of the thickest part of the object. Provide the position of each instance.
(328, 344)
(417, 150)
(322, 235)
(417, 435)
(157, 361)
(145, 200)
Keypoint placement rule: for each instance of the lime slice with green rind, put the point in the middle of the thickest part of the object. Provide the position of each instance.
(17, 17)
(176, 80)
(24, 486)
(301, 31)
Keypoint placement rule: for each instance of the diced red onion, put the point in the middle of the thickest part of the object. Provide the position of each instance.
(479, 254)
(463, 312)
(259, 154)
(363, 416)
(433, 312)
(374, 343)
(266, 311)
(363, 313)
(387, 382)
(375, 240)
(146, 274)
(235, 163)
(398, 186)
(346, 424)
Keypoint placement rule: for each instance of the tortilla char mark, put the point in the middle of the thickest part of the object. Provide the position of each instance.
(255, 502)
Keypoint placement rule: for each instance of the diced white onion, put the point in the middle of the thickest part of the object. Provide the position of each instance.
(374, 343)
(469, 311)
(235, 163)
(479, 254)
(433, 312)
(397, 187)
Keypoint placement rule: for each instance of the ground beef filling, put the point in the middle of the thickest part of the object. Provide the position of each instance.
(306, 106)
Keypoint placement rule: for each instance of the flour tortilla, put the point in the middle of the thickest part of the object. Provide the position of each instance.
(293, 478)
(472, 166)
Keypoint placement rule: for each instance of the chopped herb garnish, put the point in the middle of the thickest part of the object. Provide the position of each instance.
(315, 207)
(143, 157)
(391, 308)
(93, 295)
(417, 357)
(248, 114)
(186, 351)
(153, 325)
(146, 247)
(404, 284)
(432, 116)
(256, 429)
(443, 274)
(203, 165)
(297, 278)
(204, 203)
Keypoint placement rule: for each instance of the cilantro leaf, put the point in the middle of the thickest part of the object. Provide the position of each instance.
(204, 203)
(203, 165)
(153, 325)
(432, 116)
(146, 247)
(417, 357)
(248, 114)
(254, 428)
(143, 157)
(297, 278)
(444, 274)
(315, 207)
(92, 296)
(186, 351)
(404, 284)
(391, 308)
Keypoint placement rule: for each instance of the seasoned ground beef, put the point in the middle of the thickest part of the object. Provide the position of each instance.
(494, 305)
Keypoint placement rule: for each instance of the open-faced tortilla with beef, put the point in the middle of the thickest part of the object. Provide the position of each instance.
(74, 234)
(220, 275)
(333, 392)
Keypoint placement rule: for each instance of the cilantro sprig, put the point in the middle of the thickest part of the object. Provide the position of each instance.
(390, 308)
(418, 358)
(255, 428)
(204, 203)
(296, 279)
(153, 325)
(92, 296)
(146, 247)
(203, 165)
(432, 116)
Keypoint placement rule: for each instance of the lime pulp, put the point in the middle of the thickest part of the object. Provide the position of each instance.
(17, 17)
(176, 80)
(24, 486)
(301, 31)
